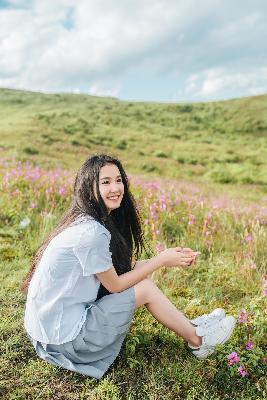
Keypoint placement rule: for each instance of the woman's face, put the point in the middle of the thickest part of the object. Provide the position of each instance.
(111, 187)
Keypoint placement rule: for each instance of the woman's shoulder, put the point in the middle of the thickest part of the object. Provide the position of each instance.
(83, 232)
(89, 228)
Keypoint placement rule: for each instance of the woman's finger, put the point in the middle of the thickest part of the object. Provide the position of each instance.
(178, 248)
(187, 249)
(187, 258)
(184, 264)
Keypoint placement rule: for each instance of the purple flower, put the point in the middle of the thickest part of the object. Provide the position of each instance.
(233, 358)
(159, 247)
(62, 191)
(249, 345)
(248, 238)
(243, 317)
(242, 371)
(265, 286)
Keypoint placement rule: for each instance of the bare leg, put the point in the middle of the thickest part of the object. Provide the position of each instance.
(148, 294)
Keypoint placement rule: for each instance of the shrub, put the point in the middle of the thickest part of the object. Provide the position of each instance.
(30, 150)
(174, 135)
(149, 167)
(186, 108)
(222, 175)
(160, 154)
(75, 143)
(70, 129)
(122, 145)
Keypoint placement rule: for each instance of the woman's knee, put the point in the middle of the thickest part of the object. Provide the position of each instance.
(145, 291)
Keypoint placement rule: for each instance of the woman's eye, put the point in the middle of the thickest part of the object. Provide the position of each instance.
(107, 182)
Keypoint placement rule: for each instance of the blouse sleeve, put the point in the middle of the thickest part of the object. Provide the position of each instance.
(94, 256)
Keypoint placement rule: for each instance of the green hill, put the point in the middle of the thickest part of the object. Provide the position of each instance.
(223, 142)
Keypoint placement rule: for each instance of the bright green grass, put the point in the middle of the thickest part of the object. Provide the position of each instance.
(223, 142)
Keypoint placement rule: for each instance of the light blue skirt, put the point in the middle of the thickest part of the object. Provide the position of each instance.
(99, 342)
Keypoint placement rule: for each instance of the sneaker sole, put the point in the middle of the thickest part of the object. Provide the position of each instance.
(205, 355)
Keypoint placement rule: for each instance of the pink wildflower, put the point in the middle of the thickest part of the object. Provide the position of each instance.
(243, 317)
(159, 247)
(253, 265)
(32, 205)
(61, 191)
(248, 238)
(163, 206)
(16, 192)
(191, 219)
(233, 358)
(249, 345)
(47, 194)
(242, 371)
(265, 285)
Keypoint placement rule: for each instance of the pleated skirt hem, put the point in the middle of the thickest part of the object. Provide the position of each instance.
(99, 341)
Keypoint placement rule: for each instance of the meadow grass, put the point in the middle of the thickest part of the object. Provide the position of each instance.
(224, 142)
(154, 363)
(198, 173)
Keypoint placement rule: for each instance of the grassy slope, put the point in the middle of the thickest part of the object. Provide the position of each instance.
(222, 142)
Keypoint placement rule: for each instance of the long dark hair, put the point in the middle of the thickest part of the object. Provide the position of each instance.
(123, 223)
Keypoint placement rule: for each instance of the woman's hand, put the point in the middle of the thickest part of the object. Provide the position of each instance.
(177, 256)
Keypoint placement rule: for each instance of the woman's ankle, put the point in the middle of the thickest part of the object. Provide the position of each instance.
(195, 341)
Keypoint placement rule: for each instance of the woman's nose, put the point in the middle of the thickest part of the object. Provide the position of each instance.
(114, 187)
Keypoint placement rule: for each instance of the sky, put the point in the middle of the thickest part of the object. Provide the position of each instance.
(140, 50)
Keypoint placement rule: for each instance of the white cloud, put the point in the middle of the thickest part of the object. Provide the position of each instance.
(57, 45)
(213, 82)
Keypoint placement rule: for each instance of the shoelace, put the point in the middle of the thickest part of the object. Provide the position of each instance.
(207, 328)
(204, 319)
(209, 321)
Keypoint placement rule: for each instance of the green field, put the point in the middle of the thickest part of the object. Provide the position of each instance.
(223, 142)
(199, 174)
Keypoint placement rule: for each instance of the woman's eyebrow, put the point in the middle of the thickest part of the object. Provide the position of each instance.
(109, 177)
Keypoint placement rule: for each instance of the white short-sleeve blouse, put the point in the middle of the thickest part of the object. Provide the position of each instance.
(65, 282)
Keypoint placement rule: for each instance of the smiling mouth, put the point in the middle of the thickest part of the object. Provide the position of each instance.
(113, 197)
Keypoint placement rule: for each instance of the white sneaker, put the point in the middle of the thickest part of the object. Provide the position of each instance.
(216, 314)
(212, 335)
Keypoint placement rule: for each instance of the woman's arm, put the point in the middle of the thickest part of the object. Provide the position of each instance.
(170, 257)
(117, 283)
(138, 264)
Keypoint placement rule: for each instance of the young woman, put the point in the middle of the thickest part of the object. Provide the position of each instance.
(85, 282)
